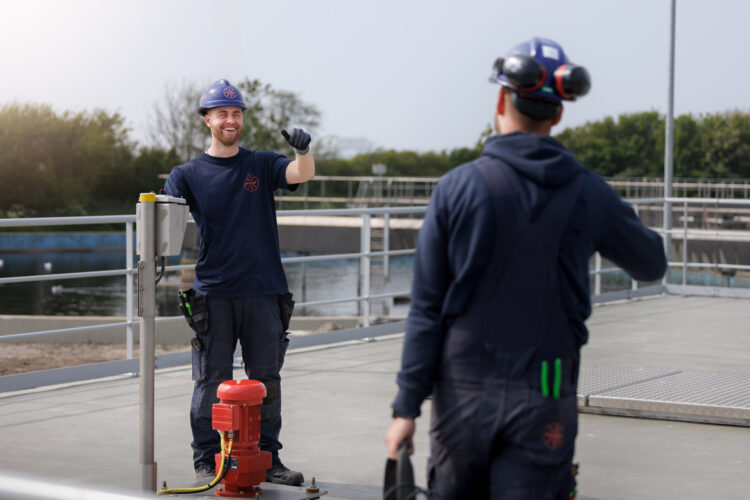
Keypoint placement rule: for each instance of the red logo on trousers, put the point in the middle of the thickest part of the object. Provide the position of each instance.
(553, 436)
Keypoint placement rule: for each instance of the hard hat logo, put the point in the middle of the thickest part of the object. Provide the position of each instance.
(229, 93)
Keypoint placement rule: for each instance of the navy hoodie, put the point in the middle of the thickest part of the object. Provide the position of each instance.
(456, 243)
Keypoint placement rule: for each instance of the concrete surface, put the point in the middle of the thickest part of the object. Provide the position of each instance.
(336, 410)
(172, 331)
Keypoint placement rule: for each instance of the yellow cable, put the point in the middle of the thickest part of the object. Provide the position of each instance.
(212, 483)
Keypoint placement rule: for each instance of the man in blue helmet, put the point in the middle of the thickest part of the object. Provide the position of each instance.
(501, 293)
(240, 292)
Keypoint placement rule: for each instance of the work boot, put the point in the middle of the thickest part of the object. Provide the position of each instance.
(204, 477)
(280, 474)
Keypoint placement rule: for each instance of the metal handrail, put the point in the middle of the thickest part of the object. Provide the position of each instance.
(366, 214)
(417, 190)
(366, 253)
(67, 221)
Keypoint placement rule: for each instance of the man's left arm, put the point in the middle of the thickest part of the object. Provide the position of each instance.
(302, 169)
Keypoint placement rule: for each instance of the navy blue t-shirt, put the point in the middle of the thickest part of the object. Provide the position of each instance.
(231, 200)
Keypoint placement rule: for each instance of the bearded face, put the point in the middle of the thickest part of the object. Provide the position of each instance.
(225, 124)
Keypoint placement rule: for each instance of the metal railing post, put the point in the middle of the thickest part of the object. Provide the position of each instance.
(129, 289)
(684, 242)
(386, 245)
(669, 144)
(147, 312)
(365, 269)
(598, 274)
(634, 282)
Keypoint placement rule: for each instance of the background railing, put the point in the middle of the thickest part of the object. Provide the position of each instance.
(356, 191)
(365, 257)
(682, 208)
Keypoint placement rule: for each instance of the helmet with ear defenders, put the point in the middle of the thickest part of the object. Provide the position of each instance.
(539, 68)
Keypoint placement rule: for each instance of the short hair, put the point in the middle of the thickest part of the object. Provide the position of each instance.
(536, 109)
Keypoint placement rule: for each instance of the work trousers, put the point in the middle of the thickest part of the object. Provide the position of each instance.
(254, 322)
(501, 440)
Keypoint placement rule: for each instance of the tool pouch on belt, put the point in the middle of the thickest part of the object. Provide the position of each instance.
(193, 306)
(286, 307)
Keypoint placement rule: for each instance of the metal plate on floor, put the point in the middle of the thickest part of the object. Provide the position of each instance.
(599, 379)
(720, 398)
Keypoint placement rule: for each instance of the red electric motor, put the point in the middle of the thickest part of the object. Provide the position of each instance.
(238, 413)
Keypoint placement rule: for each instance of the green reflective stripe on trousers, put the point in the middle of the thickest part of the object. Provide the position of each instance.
(558, 379)
(545, 378)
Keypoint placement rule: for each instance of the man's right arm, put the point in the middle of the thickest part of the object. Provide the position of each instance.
(453, 251)
(422, 342)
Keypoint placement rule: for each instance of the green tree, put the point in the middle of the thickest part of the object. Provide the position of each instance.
(176, 122)
(118, 192)
(631, 146)
(51, 164)
(713, 145)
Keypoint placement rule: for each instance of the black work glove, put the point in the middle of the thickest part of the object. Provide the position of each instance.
(298, 139)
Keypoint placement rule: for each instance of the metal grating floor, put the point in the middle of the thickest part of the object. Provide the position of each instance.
(719, 398)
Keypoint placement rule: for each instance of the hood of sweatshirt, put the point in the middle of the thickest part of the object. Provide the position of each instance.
(540, 163)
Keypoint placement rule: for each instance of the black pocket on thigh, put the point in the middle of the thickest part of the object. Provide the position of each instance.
(286, 307)
(200, 314)
(545, 430)
(282, 348)
(194, 307)
(199, 364)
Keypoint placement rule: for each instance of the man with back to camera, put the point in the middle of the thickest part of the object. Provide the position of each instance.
(501, 293)
(239, 279)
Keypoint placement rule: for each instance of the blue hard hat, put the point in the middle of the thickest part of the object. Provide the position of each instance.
(539, 68)
(220, 93)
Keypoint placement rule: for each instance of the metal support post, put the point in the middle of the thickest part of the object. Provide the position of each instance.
(147, 313)
(684, 242)
(597, 274)
(386, 246)
(634, 284)
(303, 270)
(129, 289)
(365, 269)
(669, 146)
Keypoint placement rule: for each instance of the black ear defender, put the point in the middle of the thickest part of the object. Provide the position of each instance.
(525, 73)
(522, 71)
(572, 81)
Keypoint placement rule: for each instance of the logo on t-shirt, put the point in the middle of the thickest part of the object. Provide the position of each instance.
(251, 183)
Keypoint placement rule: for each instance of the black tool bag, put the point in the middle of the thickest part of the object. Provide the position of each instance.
(398, 483)
(193, 306)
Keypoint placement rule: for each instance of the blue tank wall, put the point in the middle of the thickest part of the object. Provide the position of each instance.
(50, 242)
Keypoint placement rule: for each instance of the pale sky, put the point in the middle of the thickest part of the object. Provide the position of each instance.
(403, 74)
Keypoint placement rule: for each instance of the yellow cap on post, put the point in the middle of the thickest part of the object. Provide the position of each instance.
(148, 197)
